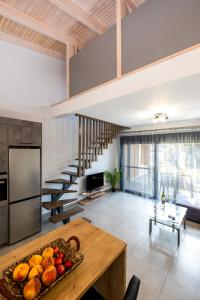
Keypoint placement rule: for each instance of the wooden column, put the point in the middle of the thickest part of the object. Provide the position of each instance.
(96, 144)
(67, 71)
(90, 143)
(119, 37)
(101, 138)
(83, 144)
(93, 141)
(70, 51)
(86, 155)
(79, 148)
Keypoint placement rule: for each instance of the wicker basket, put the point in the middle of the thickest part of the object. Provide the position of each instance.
(12, 290)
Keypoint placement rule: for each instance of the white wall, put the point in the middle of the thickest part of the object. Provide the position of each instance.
(60, 148)
(60, 145)
(106, 162)
(29, 81)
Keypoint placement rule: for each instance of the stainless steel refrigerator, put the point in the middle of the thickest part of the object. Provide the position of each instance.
(24, 192)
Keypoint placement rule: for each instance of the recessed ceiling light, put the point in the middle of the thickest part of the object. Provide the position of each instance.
(160, 117)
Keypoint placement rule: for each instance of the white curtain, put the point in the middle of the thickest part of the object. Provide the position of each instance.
(156, 162)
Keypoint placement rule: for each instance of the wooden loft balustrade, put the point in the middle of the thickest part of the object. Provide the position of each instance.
(94, 137)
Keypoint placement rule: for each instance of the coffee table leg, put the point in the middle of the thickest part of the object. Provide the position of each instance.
(184, 222)
(178, 235)
(150, 226)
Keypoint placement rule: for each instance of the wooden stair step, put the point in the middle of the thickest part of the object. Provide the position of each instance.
(85, 159)
(70, 173)
(59, 203)
(66, 214)
(74, 166)
(61, 180)
(85, 153)
(49, 191)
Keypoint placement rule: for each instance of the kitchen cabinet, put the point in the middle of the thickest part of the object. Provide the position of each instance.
(3, 148)
(15, 132)
(24, 135)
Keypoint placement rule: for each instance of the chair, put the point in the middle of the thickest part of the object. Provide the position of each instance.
(131, 292)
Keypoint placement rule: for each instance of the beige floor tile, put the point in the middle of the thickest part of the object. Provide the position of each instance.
(150, 268)
(145, 294)
(187, 262)
(179, 286)
(166, 272)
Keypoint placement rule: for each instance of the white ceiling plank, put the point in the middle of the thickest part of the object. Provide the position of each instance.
(30, 22)
(77, 13)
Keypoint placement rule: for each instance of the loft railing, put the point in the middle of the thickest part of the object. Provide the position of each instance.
(94, 137)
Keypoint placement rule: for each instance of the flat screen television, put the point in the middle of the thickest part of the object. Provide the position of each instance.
(94, 181)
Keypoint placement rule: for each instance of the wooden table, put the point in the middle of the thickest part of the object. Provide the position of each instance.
(104, 264)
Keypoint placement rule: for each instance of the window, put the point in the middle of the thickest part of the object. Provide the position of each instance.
(139, 169)
(151, 168)
(179, 170)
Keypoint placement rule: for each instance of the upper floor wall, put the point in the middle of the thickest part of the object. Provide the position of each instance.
(157, 29)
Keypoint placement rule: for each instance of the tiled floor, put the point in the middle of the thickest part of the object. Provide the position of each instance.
(166, 273)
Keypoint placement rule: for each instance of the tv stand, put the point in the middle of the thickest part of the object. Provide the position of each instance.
(94, 194)
(96, 190)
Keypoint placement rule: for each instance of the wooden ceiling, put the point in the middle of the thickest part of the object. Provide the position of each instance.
(47, 26)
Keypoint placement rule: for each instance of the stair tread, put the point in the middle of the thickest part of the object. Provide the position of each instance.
(50, 191)
(61, 180)
(66, 214)
(70, 173)
(74, 166)
(96, 147)
(51, 205)
(85, 159)
(84, 153)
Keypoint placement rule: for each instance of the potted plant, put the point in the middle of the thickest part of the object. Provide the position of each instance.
(113, 178)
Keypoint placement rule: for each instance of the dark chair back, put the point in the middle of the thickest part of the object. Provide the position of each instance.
(133, 288)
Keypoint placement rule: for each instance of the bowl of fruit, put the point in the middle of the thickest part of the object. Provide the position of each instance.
(34, 275)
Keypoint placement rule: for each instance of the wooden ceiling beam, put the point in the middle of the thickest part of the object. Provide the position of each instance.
(9, 38)
(77, 13)
(32, 23)
(130, 5)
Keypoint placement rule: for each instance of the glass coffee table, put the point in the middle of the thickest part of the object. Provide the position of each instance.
(168, 215)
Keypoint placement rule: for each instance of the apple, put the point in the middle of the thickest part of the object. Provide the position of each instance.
(55, 249)
(62, 255)
(65, 259)
(60, 270)
(68, 264)
(58, 261)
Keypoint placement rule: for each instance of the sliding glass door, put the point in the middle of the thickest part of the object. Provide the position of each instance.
(179, 170)
(138, 169)
(151, 168)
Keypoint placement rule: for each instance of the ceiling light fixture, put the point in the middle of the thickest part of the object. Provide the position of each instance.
(160, 117)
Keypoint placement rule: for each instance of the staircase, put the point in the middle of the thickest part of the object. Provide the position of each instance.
(94, 136)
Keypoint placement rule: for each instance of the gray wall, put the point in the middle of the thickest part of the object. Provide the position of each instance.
(157, 29)
(14, 132)
(94, 64)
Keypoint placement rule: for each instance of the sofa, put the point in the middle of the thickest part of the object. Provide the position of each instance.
(193, 208)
